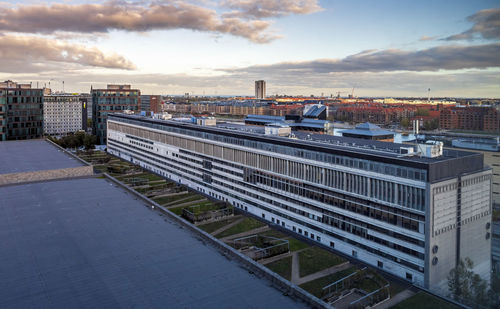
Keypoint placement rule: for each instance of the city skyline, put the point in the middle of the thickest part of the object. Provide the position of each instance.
(221, 47)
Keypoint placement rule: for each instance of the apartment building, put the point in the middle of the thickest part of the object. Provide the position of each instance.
(412, 211)
(21, 111)
(64, 114)
(115, 98)
(151, 103)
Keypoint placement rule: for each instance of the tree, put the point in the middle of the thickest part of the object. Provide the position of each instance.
(466, 286)
(422, 112)
(432, 124)
(404, 123)
(89, 141)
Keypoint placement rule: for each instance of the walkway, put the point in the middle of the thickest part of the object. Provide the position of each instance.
(247, 233)
(396, 299)
(225, 227)
(321, 273)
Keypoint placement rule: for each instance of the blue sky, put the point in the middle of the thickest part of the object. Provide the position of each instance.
(311, 47)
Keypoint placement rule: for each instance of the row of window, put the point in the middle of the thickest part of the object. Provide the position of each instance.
(383, 190)
(244, 140)
(173, 169)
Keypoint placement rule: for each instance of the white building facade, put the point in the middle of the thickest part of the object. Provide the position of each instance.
(64, 114)
(411, 216)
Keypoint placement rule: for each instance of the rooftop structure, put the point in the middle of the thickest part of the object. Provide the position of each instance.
(371, 132)
(294, 121)
(413, 211)
(317, 111)
(88, 243)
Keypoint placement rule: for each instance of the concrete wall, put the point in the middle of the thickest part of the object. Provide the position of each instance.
(476, 214)
(455, 230)
(442, 216)
(17, 178)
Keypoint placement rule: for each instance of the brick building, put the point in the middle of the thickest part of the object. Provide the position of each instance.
(473, 118)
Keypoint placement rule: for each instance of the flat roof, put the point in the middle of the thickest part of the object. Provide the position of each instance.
(33, 155)
(450, 164)
(86, 243)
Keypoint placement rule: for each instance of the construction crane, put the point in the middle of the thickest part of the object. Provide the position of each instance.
(338, 94)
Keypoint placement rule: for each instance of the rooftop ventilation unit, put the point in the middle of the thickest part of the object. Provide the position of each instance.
(431, 149)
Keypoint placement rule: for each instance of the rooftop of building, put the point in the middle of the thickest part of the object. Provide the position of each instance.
(33, 155)
(381, 151)
(88, 243)
(314, 110)
(368, 129)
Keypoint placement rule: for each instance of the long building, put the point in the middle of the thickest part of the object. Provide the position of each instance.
(21, 111)
(114, 98)
(412, 211)
(64, 114)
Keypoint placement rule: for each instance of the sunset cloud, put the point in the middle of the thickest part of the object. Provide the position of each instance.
(103, 18)
(24, 53)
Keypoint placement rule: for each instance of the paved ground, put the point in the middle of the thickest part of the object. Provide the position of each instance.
(346, 300)
(396, 299)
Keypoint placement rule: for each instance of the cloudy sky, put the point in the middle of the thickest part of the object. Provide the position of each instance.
(379, 48)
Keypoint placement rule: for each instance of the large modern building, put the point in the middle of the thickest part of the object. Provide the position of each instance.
(64, 114)
(21, 111)
(115, 98)
(411, 211)
(260, 89)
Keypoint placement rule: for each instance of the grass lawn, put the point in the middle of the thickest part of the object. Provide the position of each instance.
(396, 287)
(101, 168)
(193, 198)
(152, 177)
(214, 226)
(315, 287)
(282, 267)
(169, 199)
(246, 225)
(368, 285)
(296, 244)
(202, 207)
(176, 210)
(424, 300)
(273, 233)
(315, 259)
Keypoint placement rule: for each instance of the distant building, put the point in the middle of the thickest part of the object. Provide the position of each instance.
(371, 132)
(64, 113)
(473, 118)
(21, 111)
(115, 98)
(151, 103)
(260, 89)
